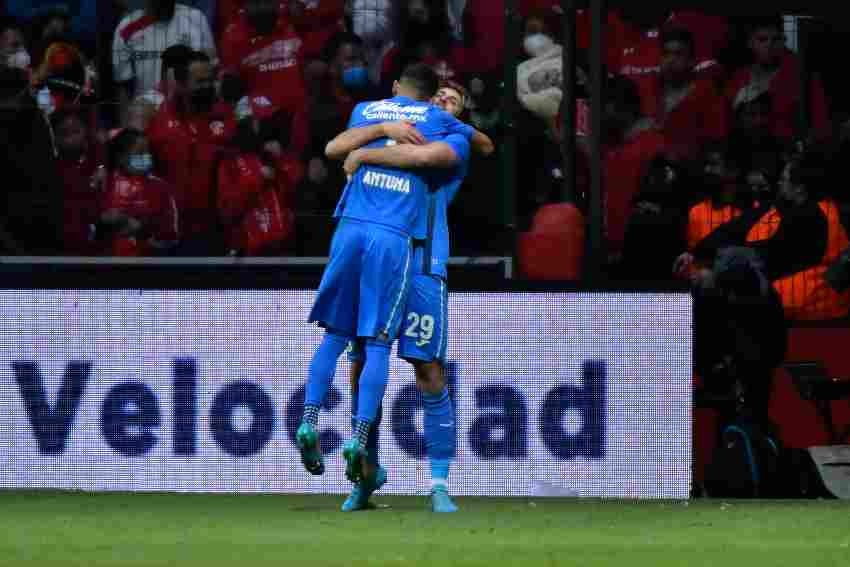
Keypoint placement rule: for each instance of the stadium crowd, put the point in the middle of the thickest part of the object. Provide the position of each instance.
(197, 128)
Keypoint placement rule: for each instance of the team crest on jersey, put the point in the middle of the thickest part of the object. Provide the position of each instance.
(217, 127)
(389, 110)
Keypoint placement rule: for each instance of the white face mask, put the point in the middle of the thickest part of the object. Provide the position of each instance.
(20, 59)
(537, 44)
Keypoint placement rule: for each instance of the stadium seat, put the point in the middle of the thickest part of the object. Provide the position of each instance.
(554, 247)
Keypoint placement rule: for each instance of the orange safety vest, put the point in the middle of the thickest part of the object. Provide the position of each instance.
(703, 218)
(806, 296)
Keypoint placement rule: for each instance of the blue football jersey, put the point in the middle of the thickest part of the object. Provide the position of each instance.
(433, 257)
(394, 197)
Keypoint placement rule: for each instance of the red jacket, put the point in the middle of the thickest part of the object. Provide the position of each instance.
(636, 53)
(269, 65)
(187, 150)
(698, 118)
(147, 199)
(624, 166)
(320, 21)
(258, 213)
(784, 89)
(485, 33)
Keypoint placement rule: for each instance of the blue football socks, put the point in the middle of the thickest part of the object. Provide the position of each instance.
(440, 431)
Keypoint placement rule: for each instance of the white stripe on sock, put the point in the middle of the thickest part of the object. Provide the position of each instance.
(435, 482)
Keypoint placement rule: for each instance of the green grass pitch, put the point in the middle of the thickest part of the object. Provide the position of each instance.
(50, 528)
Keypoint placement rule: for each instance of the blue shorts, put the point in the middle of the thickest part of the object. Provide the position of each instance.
(424, 333)
(365, 284)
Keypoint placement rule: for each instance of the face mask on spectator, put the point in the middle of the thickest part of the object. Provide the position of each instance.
(355, 77)
(139, 164)
(537, 44)
(19, 59)
(203, 98)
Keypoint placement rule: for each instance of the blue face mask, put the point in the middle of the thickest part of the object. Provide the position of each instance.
(140, 164)
(355, 77)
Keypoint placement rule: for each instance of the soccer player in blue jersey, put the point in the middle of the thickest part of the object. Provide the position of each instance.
(424, 338)
(364, 286)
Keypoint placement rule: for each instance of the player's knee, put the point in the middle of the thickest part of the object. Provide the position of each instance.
(429, 377)
(338, 338)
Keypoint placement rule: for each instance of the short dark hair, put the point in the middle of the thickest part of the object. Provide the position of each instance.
(335, 43)
(174, 56)
(120, 145)
(422, 78)
(678, 33)
(181, 70)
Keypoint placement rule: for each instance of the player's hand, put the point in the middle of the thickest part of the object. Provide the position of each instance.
(352, 163)
(403, 133)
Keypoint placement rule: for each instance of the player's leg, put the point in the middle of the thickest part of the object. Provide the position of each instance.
(440, 431)
(374, 476)
(322, 368)
(335, 309)
(384, 282)
(423, 343)
(357, 359)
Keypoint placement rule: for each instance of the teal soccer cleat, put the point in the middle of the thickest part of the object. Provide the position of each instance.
(353, 454)
(307, 439)
(359, 497)
(441, 502)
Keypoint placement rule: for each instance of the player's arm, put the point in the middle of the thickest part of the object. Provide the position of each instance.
(482, 143)
(354, 138)
(404, 156)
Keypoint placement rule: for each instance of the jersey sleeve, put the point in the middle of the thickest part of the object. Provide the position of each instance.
(455, 126)
(357, 119)
(460, 145)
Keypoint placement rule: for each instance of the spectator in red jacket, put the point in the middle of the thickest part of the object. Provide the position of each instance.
(482, 51)
(263, 49)
(316, 21)
(256, 185)
(139, 211)
(424, 36)
(690, 111)
(186, 138)
(775, 70)
(631, 143)
(345, 83)
(634, 49)
(77, 163)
